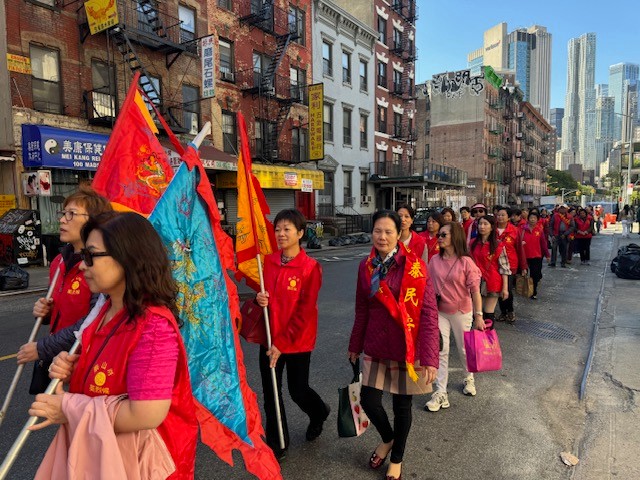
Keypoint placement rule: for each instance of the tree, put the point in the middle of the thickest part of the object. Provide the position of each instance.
(558, 179)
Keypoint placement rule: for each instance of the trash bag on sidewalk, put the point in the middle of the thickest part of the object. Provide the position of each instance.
(632, 248)
(13, 278)
(314, 244)
(629, 265)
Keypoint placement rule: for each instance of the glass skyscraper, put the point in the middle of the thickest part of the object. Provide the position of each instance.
(621, 77)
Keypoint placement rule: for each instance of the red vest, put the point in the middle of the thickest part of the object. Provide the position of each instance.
(584, 225)
(532, 240)
(104, 372)
(432, 244)
(511, 238)
(466, 225)
(71, 297)
(417, 244)
(488, 264)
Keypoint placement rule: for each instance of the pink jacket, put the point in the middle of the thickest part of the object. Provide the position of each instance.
(87, 446)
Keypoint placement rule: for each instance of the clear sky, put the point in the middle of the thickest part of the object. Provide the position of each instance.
(448, 31)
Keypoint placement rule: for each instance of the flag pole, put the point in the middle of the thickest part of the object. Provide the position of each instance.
(32, 337)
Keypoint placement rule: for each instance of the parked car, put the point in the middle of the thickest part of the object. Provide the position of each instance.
(420, 220)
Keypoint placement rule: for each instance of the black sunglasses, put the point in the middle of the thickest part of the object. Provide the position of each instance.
(442, 235)
(87, 256)
(478, 210)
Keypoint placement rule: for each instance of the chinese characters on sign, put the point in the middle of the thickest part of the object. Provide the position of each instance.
(18, 64)
(206, 52)
(316, 137)
(101, 14)
(307, 185)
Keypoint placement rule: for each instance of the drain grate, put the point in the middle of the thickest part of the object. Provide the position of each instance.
(545, 330)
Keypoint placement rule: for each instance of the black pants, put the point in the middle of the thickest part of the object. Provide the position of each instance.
(301, 393)
(584, 248)
(371, 399)
(535, 272)
(506, 306)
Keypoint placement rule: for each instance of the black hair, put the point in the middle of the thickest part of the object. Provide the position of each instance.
(387, 214)
(292, 215)
(493, 236)
(508, 210)
(465, 208)
(408, 208)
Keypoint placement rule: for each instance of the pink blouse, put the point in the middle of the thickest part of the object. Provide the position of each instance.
(454, 280)
(152, 365)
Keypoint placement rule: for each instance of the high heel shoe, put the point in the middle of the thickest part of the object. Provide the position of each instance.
(375, 461)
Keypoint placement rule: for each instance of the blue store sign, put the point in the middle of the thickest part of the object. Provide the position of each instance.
(44, 146)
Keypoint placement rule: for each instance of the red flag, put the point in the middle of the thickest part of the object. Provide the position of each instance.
(135, 169)
(254, 232)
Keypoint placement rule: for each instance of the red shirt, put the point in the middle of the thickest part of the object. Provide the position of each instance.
(466, 225)
(488, 264)
(432, 243)
(534, 242)
(513, 243)
(583, 225)
(293, 301)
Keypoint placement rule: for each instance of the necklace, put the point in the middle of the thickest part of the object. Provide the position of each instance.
(284, 259)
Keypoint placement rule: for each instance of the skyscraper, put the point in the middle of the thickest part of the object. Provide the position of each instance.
(604, 129)
(578, 125)
(526, 52)
(556, 117)
(621, 76)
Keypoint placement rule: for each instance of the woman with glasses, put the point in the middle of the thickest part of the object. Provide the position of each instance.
(456, 280)
(478, 210)
(491, 258)
(434, 222)
(72, 299)
(132, 356)
(396, 326)
(413, 241)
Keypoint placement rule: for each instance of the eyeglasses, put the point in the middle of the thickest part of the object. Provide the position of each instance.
(477, 210)
(87, 256)
(442, 235)
(69, 214)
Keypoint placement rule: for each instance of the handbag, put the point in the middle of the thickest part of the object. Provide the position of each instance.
(252, 326)
(524, 285)
(483, 350)
(40, 379)
(352, 421)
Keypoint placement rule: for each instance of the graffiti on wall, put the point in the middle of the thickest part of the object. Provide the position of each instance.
(454, 85)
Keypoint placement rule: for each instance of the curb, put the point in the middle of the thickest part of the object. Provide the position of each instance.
(24, 292)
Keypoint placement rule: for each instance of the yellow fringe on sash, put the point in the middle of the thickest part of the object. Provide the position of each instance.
(412, 372)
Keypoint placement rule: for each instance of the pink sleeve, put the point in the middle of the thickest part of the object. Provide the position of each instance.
(473, 275)
(152, 365)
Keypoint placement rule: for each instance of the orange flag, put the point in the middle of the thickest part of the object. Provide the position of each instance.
(134, 170)
(254, 232)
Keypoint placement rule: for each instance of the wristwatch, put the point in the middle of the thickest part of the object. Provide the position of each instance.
(478, 313)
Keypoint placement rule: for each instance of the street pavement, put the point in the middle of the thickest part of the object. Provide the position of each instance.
(515, 428)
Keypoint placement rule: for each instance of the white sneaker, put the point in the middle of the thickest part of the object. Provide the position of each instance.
(469, 387)
(438, 400)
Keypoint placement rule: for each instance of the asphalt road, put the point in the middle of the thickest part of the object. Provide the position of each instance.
(515, 428)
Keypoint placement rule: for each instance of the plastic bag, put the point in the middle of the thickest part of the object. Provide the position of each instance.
(14, 278)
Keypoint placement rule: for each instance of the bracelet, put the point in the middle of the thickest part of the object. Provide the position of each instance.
(478, 313)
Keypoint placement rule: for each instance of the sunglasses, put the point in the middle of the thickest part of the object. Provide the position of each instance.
(442, 235)
(88, 256)
(69, 214)
(477, 210)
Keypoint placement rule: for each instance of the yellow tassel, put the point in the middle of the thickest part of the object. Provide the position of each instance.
(412, 372)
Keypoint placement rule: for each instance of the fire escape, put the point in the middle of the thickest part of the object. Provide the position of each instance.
(275, 93)
(142, 24)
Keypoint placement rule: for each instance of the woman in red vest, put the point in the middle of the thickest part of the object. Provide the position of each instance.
(491, 258)
(396, 326)
(584, 232)
(133, 346)
(434, 222)
(413, 241)
(535, 246)
(292, 281)
(510, 235)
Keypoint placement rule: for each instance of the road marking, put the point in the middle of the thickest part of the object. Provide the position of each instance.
(7, 357)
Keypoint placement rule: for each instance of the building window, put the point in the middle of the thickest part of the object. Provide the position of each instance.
(363, 131)
(296, 25)
(152, 86)
(346, 126)
(382, 157)
(427, 151)
(103, 95)
(382, 75)
(346, 67)
(397, 125)
(396, 157)
(363, 76)
(327, 59)
(298, 81)
(328, 122)
(299, 145)
(187, 17)
(225, 4)
(45, 68)
(229, 132)
(397, 40)
(363, 185)
(347, 188)
(397, 81)
(191, 108)
(265, 138)
(226, 60)
(382, 30)
(382, 119)
(260, 65)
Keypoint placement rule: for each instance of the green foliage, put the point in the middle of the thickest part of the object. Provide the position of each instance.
(558, 179)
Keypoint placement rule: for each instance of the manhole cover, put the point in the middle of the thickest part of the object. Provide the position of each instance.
(545, 330)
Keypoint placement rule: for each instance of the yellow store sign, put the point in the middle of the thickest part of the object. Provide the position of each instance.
(276, 177)
(101, 14)
(18, 64)
(316, 123)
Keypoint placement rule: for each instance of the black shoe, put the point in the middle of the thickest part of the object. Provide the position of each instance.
(315, 427)
(563, 265)
(280, 454)
(552, 265)
(534, 297)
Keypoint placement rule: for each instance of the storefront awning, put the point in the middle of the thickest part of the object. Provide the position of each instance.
(44, 146)
(212, 158)
(273, 176)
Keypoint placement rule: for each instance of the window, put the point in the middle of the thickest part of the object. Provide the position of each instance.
(347, 188)
(363, 184)
(427, 151)
(152, 87)
(363, 76)
(396, 157)
(382, 30)
(229, 132)
(397, 39)
(103, 95)
(397, 124)
(346, 67)
(296, 25)
(265, 137)
(299, 145)
(410, 47)
(187, 18)
(346, 126)
(363, 130)
(328, 122)
(382, 75)
(298, 80)
(191, 108)
(382, 119)
(45, 68)
(226, 60)
(410, 132)
(397, 81)
(382, 157)
(225, 4)
(327, 59)
(260, 64)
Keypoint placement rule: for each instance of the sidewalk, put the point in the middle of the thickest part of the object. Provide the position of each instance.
(611, 437)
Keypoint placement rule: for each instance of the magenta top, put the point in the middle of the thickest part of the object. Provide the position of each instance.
(152, 364)
(454, 280)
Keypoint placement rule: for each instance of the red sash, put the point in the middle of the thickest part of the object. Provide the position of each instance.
(405, 313)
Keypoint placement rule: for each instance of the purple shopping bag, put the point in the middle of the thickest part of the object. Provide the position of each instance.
(483, 350)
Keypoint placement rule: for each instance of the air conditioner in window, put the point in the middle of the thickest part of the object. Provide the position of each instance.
(520, 114)
(366, 199)
(274, 153)
(519, 135)
(228, 76)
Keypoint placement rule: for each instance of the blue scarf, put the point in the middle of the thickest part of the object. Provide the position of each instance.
(380, 270)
